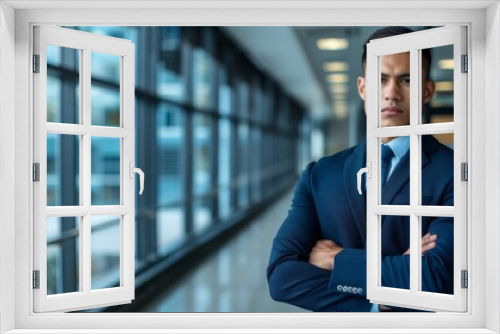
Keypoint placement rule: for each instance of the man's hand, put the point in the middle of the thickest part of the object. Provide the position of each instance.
(323, 254)
(428, 243)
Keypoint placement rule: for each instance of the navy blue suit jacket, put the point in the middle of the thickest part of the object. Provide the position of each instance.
(327, 205)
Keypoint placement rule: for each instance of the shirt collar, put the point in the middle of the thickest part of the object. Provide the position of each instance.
(400, 146)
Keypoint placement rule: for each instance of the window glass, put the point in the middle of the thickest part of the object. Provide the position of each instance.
(203, 72)
(105, 101)
(105, 246)
(63, 67)
(63, 170)
(63, 255)
(170, 80)
(170, 139)
(202, 153)
(105, 155)
(224, 167)
(440, 109)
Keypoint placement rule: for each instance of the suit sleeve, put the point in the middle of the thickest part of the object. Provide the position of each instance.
(292, 279)
(437, 264)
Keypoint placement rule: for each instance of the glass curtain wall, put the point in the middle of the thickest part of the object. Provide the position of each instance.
(214, 136)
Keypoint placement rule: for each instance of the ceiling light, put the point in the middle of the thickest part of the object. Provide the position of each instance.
(339, 89)
(332, 44)
(340, 110)
(339, 97)
(446, 64)
(444, 86)
(337, 78)
(336, 66)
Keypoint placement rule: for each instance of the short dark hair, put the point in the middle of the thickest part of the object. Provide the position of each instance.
(394, 31)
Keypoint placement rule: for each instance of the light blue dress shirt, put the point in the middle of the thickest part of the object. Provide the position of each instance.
(399, 146)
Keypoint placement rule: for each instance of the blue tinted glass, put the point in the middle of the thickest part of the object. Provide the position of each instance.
(105, 170)
(63, 106)
(63, 170)
(203, 68)
(105, 106)
(170, 79)
(202, 153)
(224, 167)
(105, 252)
(170, 139)
(105, 101)
(63, 255)
(170, 228)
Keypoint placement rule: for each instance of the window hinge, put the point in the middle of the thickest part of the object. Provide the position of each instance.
(465, 279)
(465, 64)
(464, 171)
(36, 63)
(36, 172)
(36, 279)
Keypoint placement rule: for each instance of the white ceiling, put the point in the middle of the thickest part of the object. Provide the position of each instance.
(277, 51)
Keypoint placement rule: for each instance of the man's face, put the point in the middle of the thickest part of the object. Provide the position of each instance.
(395, 89)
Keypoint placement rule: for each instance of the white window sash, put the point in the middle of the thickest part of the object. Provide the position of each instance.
(414, 298)
(85, 298)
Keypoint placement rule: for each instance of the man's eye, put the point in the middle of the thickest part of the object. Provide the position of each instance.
(405, 80)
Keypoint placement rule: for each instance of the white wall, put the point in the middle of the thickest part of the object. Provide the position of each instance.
(7, 160)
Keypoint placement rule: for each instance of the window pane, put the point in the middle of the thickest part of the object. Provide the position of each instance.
(170, 139)
(63, 100)
(105, 102)
(395, 234)
(224, 167)
(202, 215)
(395, 89)
(203, 69)
(202, 153)
(63, 169)
(105, 252)
(438, 178)
(439, 108)
(437, 263)
(170, 229)
(243, 166)
(394, 168)
(225, 92)
(63, 255)
(105, 171)
(170, 81)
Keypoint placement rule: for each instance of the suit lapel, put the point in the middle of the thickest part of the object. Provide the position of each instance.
(357, 202)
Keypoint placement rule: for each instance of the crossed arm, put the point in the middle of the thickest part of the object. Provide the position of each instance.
(324, 251)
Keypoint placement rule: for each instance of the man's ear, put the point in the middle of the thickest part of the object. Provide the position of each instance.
(429, 90)
(361, 82)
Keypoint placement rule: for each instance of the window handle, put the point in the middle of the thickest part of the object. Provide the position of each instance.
(133, 170)
(368, 171)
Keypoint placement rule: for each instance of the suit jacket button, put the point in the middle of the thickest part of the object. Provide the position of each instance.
(360, 291)
(339, 288)
(349, 289)
(344, 289)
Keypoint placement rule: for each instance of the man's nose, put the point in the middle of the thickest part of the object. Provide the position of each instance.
(391, 91)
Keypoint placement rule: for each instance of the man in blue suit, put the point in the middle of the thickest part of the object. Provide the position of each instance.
(318, 258)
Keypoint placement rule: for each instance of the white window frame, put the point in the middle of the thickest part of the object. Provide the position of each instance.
(483, 21)
(413, 43)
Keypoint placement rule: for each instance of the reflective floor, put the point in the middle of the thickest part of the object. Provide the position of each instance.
(232, 279)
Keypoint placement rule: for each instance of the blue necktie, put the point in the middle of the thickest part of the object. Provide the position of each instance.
(387, 155)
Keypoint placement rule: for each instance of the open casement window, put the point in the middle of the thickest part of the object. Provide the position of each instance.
(426, 192)
(84, 171)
